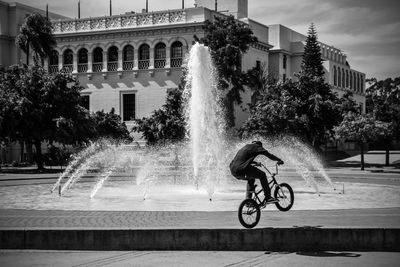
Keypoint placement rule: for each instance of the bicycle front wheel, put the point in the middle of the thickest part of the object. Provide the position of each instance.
(284, 194)
(249, 213)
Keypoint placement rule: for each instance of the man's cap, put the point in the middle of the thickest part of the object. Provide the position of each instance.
(257, 143)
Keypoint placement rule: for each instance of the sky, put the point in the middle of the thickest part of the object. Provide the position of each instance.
(368, 31)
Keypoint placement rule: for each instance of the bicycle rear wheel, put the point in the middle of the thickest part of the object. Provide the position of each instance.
(284, 194)
(249, 213)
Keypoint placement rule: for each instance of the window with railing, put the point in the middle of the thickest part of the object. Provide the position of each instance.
(83, 60)
(351, 80)
(334, 76)
(53, 62)
(97, 59)
(144, 57)
(159, 56)
(68, 59)
(112, 63)
(343, 79)
(127, 59)
(176, 54)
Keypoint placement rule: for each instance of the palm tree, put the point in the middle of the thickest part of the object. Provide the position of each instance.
(37, 34)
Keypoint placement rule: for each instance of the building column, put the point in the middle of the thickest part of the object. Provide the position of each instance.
(60, 61)
(151, 63)
(75, 63)
(105, 59)
(168, 57)
(90, 62)
(119, 59)
(135, 59)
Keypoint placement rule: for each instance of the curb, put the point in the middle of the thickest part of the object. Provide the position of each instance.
(263, 239)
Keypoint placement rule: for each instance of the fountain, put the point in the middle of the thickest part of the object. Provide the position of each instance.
(200, 164)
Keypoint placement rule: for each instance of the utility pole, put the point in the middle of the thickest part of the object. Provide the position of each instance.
(79, 9)
(47, 11)
(110, 9)
(147, 6)
(183, 4)
(216, 5)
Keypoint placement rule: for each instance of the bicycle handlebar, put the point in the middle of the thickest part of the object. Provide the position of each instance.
(259, 164)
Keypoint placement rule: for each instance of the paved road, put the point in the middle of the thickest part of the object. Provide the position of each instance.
(197, 258)
(56, 219)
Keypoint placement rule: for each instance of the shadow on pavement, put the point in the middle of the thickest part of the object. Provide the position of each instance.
(327, 254)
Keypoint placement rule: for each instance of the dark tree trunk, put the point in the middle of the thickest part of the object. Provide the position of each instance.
(362, 156)
(21, 157)
(39, 158)
(387, 146)
(27, 55)
(29, 154)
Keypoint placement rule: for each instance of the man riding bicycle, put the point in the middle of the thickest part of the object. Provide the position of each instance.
(241, 167)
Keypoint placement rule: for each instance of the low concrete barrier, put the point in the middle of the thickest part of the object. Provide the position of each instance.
(262, 239)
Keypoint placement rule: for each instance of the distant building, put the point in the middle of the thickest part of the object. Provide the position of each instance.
(128, 62)
(12, 16)
(286, 56)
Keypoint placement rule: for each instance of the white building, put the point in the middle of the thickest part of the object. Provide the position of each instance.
(286, 56)
(128, 62)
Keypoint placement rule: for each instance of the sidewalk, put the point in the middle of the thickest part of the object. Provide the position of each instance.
(56, 219)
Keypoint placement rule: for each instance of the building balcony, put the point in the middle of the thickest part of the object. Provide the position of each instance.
(83, 67)
(112, 66)
(125, 21)
(143, 64)
(159, 63)
(97, 67)
(176, 62)
(53, 68)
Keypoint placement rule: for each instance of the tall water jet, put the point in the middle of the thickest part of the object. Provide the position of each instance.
(203, 111)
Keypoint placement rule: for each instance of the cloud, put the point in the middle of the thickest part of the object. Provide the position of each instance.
(368, 31)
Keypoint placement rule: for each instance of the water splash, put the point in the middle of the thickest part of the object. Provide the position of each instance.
(203, 121)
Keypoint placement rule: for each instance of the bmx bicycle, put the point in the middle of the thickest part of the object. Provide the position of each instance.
(250, 209)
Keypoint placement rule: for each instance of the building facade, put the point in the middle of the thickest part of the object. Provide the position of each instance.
(129, 62)
(285, 59)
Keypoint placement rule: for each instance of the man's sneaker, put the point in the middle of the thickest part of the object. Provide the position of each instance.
(271, 200)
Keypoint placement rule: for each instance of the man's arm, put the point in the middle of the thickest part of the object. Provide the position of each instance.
(269, 155)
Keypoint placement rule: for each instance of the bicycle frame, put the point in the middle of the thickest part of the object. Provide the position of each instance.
(271, 183)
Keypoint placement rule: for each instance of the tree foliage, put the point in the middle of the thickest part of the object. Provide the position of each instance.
(312, 58)
(228, 40)
(36, 107)
(36, 33)
(362, 129)
(166, 124)
(305, 107)
(383, 101)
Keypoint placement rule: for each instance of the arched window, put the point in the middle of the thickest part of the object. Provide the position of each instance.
(128, 57)
(343, 79)
(144, 56)
(351, 80)
(176, 54)
(159, 56)
(334, 76)
(362, 83)
(82, 60)
(53, 61)
(97, 59)
(112, 64)
(339, 78)
(68, 59)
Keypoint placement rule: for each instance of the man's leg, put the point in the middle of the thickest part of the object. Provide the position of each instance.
(250, 187)
(253, 172)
